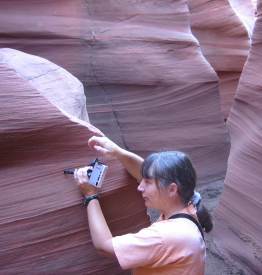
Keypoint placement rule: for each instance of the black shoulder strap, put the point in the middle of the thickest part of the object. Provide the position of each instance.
(189, 217)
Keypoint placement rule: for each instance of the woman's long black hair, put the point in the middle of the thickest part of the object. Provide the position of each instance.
(174, 166)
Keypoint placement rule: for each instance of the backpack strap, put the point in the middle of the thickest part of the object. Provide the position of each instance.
(191, 218)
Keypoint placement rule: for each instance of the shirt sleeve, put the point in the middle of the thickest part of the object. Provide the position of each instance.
(139, 249)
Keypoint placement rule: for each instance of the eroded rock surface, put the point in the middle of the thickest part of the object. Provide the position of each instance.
(246, 11)
(66, 92)
(148, 87)
(155, 86)
(224, 41)
(238, 225)
(43, 226)
(147, 83)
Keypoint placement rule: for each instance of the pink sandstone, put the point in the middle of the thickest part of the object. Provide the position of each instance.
(148, 87)
(224, 41)
(43, 227)
(246, 11)
(238, 217)
(147, 84)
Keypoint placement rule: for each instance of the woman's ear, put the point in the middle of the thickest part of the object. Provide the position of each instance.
(173, 190)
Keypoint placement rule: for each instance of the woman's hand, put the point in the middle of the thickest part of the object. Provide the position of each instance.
(83, 181)
(132, 162)
(104, 145)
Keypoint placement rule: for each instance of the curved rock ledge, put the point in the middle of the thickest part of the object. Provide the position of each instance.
(43, 228)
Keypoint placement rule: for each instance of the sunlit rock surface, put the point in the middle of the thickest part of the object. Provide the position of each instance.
(61, 88)
(246, 11)
(224, 41)
(238, 217)
(43, 225)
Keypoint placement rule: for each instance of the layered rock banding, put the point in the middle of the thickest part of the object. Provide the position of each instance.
(246, 11)
(43, 228)
(238, 217)
(224, 41)
(148, 87)
(161, 88)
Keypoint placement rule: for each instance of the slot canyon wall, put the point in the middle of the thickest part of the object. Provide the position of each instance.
(224, 41)
(43, 227)
(138, 64)
(148, 85)
(238, 217)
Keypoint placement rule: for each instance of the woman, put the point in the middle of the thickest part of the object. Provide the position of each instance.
(173, 244)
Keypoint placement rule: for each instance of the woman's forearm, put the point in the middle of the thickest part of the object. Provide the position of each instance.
(100, 233)
(131, 162)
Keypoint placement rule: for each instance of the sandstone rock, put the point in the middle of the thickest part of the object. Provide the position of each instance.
(148, 87)
(61, 88)
(238, 217)
(43, 227)
(224, 42)
(147, 84)
(246, 11)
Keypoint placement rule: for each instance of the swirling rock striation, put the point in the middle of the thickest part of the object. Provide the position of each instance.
(43, 227)
(155, 86)
(224, 41)
(238, 226)
(246, 11)
(148, 85)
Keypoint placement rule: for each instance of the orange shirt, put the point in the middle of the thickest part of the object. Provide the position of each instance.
(167, 247)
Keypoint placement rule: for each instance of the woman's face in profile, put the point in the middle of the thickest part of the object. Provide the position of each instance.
(153, 195)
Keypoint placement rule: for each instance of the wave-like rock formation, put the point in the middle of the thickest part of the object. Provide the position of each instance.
(154, 83)
(148, 85)
(224, 41)
(43, 227)
(66, 93)
(238, 226)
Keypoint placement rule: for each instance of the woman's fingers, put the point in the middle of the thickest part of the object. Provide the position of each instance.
(82, 179)
(81, 174)
(100, 149)
(101, 145)
(94, 141)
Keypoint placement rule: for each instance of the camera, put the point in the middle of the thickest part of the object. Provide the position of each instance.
(95, 174)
